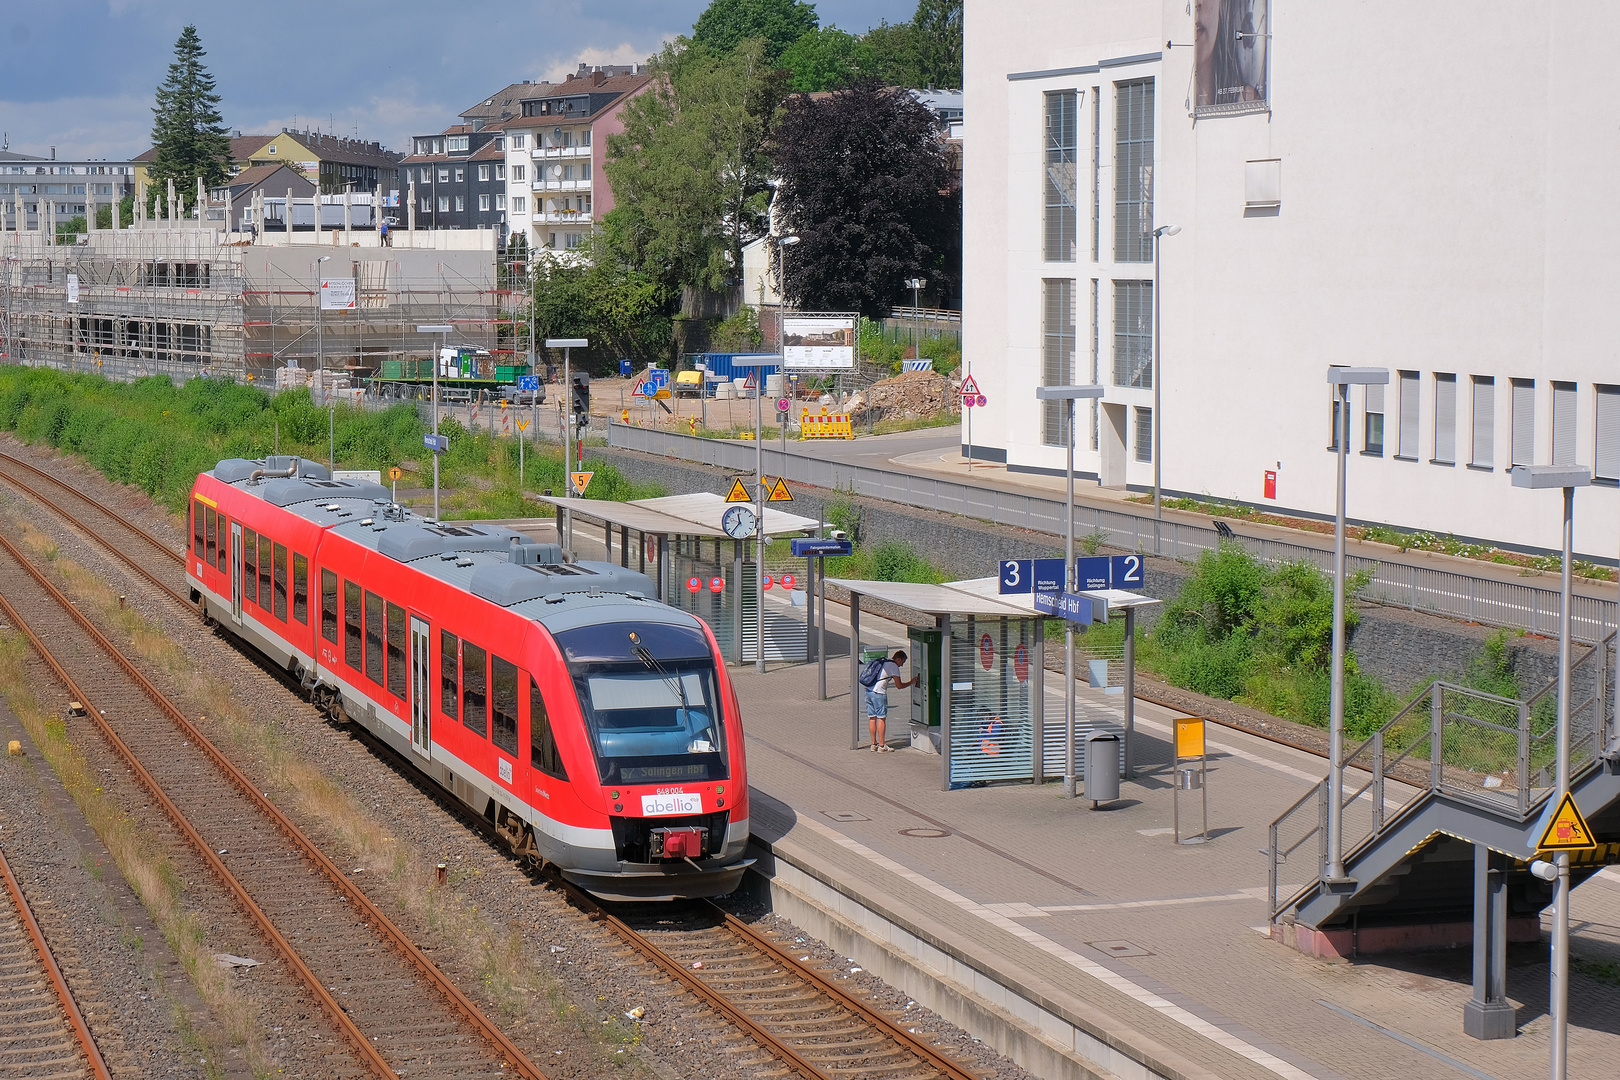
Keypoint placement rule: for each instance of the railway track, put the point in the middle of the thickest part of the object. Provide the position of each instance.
(812, 1027)
(397, 1011)
(42, 1033)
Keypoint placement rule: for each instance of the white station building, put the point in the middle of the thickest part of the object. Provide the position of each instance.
(1428, 188)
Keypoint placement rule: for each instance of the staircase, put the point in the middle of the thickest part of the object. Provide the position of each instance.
(1455, 770)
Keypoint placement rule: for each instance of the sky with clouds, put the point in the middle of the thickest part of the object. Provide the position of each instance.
(80, 75)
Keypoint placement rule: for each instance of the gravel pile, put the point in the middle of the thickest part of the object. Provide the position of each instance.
(571, 1022)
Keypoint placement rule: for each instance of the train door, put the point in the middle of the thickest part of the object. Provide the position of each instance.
(236, 573)
(421, 687)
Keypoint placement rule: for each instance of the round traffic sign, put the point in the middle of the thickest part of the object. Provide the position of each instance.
(693, 584)
(782, 404)
(1021, 663)
(981, 403)
(969, 400)
(717, 584)
(987, 651)
(394, 473)
(766, 582)
(788, 581)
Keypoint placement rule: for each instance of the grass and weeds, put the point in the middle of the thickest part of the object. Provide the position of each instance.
(889, 560)
(158, 437)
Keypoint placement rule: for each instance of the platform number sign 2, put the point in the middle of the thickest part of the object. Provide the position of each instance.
(1127, 571)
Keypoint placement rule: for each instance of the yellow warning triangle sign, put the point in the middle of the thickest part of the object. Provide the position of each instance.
(779, 492)
(738, 492)
(580, 481)
(1567, 831)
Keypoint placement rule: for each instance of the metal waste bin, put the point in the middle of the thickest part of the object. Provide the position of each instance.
(1102, 767)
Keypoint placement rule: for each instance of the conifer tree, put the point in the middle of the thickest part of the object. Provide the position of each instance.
(187, 129)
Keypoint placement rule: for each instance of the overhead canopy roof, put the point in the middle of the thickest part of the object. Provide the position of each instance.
(948, 599)
(706, 508)
(636, 515)
(1118, 599)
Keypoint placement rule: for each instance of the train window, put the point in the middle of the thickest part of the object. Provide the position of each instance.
(543, 753)
(503, 706)
(474, 681)
(224, 544)
(329, 606)
(210, 544)
(198, 513)
(250, 565)
(376, 629)
(300, 583)
(449, 681)
(279, 577)
(353, 636)
(265, 554)
(397, 673)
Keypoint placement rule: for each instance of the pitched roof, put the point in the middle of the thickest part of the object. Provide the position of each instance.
(258, 174)
(503, 103)
(343, 151)
(242, 148)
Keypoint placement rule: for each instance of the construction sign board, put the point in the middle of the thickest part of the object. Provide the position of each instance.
(1567, 830)
(779, 492)
(738, 492)
(824, 426)
(580, 481)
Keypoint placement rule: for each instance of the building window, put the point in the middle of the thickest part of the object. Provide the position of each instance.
(427, 203)
(1096, 180)
(1445, 419)
(271, 149)
(1133, 171)
(1094, 345)
(1133, 334)
(1408, 448)
(455, 143)
(483, 174)
(1057, 352)
(461, 204)
(444, 204)
(1484, 422)
(1144, 434)
(1563, 423)
(1607, 457)
(1524, 422)
(444, 176)
(585, 171)
(1372, 436)
(517, 172)
(461, 176)
(500, 202)
(1062, 107)
(483, 203)
(520, 204)
(517, 142)
(500, 172)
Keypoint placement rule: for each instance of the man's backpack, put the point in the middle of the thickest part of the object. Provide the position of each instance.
(872, 672)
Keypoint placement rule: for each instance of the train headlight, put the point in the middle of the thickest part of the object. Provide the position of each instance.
(613, 794)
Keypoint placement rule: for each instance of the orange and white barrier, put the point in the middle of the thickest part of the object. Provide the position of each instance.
(824, 426)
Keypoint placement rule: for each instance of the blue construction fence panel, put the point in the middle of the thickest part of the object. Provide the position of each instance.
(992, 700)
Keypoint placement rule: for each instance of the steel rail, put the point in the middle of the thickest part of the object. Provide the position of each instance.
(756, 1031)
(81, 1030)
(395, 936)
(115, 515)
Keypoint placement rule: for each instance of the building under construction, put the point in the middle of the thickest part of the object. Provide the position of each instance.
(184, 297)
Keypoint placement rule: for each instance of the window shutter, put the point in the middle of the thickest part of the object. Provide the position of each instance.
(1445, 418)
(1375, 398)
(1608, 432)
(1409, 414)
(1484, 420)
(1563, 423)
(1524, 422)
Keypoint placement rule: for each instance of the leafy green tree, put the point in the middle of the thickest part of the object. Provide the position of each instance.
(936, 42)
(725, 24)
(826, 59)
(690, 171)
(866, 186)
(623, 311)
(187, 129)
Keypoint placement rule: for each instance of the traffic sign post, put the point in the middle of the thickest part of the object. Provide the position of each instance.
(1190, 763)
(579, 481)
(814, 550)
(738, 492)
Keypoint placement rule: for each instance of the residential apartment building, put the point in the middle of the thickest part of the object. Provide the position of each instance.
(242, 150)
(1334, 207)
(68, 185)
(556, 146)
(334, 163)
(457, 180)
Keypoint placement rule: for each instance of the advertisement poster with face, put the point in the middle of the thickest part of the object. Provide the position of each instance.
(1229, 52)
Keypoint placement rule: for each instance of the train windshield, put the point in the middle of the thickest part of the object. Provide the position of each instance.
(651, 702)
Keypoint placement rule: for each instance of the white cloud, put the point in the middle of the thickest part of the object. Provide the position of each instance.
(104, 127)
(626, 53)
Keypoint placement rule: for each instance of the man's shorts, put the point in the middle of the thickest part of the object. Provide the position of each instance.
(877, 704)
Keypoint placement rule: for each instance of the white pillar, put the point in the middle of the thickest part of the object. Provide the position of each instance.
(286, 216)
(202, 201)
(410, 211)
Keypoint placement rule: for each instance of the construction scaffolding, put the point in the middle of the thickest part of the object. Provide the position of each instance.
(184, 299)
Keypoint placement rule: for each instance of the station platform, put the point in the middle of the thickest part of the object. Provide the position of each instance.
(1085, 942)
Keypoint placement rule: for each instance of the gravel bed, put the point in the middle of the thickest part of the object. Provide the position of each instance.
(573, 1027)
(127, 982)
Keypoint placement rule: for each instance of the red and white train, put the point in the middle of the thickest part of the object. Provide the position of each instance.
(594, 727)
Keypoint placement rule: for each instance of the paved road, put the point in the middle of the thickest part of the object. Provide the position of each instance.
(879, 451)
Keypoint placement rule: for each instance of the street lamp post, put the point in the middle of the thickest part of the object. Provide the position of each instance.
(441, 330)
(569, 428)
(781, 302)
(1567, 477)
(916, 285)
(1067, 395)
(759, 362)
(1342, 378)
(1158, 378)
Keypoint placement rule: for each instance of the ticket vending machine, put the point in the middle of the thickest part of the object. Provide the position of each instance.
(924, 653)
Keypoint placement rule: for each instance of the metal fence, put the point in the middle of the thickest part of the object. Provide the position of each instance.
(1488, 601)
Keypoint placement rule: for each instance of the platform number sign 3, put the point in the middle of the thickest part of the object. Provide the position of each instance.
(1014, 577)
(1127, 571)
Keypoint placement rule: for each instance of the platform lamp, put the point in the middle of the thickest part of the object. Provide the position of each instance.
(320, 366)
(1158, 378)
(759, 361)
(1342, 379)
(567, 345)
(441, 330)
(916, 285)
(1068, 395)
(1540, 478)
